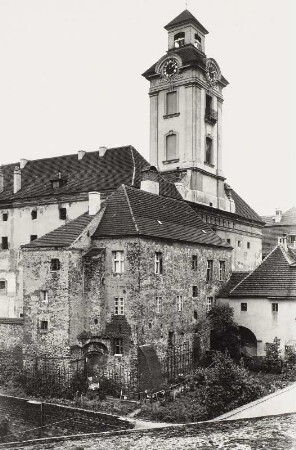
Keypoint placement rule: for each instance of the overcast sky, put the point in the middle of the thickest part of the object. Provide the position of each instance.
(71, 70)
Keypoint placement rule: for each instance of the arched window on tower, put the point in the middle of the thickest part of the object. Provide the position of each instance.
(197, 41)
(209, 150)
(3, 287)
(171, 146)
(179, 39)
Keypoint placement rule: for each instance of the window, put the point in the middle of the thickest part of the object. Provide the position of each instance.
(195, 315)
(34, 214)
(44, 296)
(194, 291)
(118, 347)
(210, 270)
(33, 237)
(229, 241)
(4, 243)
(63, 213)
(158, 305)
(158, 263)
(179, 39)
(118, 261)
(44, 325)
(171, 103)
(221, 270)
(194, 262)
(5, 217)
(275, 307)
(239, 244)
(197, 41)
(171, 147)
(248, 245)
(55, 264)
(209, 150)
(210, 303)
(209, 101)
(244, 306)
(2, 287)
(179, 303)
(118, 306)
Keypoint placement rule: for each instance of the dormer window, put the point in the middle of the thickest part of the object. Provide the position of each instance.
(179, 39)
(58, 181)
(197, 41)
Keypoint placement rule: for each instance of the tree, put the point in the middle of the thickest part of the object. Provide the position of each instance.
(224, 331)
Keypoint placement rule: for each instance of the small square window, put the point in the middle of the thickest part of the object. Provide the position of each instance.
(194, 262)
(275, 307)
(228, 241)
(244, 306)
(44, 325)
(44, 296)
(33, 237)
(5, 217)
(158, 263)
(118, 261)
(239, 244)
(63, 213)
(179, 303)
(5, 243)
(248, 245)
(158, 305)
(118, 306)
(2, 287)
(194, 291)
(118, 346)
(55, 264)
(34, 214)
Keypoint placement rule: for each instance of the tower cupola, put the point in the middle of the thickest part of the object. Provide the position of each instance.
(185, 29)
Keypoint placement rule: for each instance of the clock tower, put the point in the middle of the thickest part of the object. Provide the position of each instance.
(186, 115)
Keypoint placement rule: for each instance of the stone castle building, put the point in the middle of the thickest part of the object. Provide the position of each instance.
(78, 218)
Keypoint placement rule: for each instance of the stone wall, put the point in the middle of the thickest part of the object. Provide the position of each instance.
(11, 335)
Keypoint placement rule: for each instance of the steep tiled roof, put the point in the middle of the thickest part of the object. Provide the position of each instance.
(92, 173)
(275, 277)
(235, 278)
(288, 218)
(132, 212)
(64, 235)
(183, 18)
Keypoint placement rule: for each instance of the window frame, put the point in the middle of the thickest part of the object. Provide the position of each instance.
(222, 270)
(194, 291)
(63, 213)
(44, 325)
(34, 214)
(210, 303)
(3, 291)
(43, 296)
(55, 265)
(118, 345)
(180, 303)
(210, 270)
(176, 155)
(274, 308)
(119, 307)
(5, 217)
(179, 38)
(209, 156)
(33, 237)
(158, 263)
(168, 95)
(4, 243)
(244, 306)
(117, 261)
(158, 305)
(194, 261)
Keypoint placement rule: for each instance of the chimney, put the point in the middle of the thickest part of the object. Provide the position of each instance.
(278, 215)
(150, 181)
(1, 180)
(94, 203)
(17, 179)
(23, 162)
(80, 154)
(102, 151)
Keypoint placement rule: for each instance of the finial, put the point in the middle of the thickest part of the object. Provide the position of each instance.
(186, 3)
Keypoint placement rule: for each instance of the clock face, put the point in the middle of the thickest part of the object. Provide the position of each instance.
(170, 68)
(213, 73)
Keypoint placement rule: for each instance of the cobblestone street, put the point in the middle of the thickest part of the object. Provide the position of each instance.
(270, 433)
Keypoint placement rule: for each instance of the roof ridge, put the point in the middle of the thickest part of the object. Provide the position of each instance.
(252, 271)
(130, 209)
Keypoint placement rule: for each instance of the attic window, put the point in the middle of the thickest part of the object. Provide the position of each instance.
(58, 181)
(179, 39)
(56, 184)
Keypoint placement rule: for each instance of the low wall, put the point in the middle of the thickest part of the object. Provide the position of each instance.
(30, 420)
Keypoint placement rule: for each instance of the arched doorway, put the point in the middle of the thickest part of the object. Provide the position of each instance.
(248, 342)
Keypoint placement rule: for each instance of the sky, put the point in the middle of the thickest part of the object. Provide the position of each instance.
(70, 79)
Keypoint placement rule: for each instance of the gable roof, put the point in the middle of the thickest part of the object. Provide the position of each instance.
(275, 277)
(91, 173)
(183, 18)
(133, 212)
(288, 218)
(64, 235)
(235, 278)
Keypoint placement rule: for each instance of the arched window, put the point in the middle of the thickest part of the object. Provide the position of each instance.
(171, 147)
(179, 39)
(3, 287)
(197, 41)
(209, 150)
